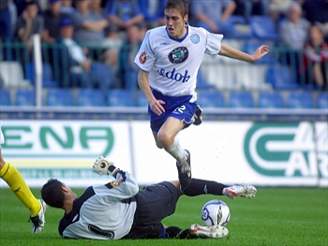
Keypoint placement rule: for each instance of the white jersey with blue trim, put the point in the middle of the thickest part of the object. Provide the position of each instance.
(102, 212)
(173, 64)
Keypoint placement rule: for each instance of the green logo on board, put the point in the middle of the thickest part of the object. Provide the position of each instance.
(288, 150)
(42, 140)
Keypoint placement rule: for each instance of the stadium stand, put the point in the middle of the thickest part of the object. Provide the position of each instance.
(202, 83)
(263, 28)
(277, 81)
(12, 75)
(240, 99)
(59, 97)
(241, 29)
(281, 78)
(252, 76)
(5, 99)
(322, 100)
(300, 99)
(91, 97)
(270, 99)
(47, 75)
(211, 98)
(25, 97)
(119, 98)
(141, 100)
(218, 74)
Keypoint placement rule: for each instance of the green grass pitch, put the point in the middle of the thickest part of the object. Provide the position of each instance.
(277, 216)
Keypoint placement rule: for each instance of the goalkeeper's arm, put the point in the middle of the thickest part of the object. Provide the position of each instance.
(125, 186)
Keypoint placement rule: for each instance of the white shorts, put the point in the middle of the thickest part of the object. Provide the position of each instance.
(2, 139)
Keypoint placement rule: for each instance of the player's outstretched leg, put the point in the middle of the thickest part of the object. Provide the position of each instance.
(248, 191)
(18, 185)
(195, 187)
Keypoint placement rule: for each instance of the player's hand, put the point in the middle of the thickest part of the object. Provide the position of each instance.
(120, 177)
(101, 166)
(260, 52)
(157, 106)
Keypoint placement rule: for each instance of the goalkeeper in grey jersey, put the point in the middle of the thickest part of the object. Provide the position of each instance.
(119, 210)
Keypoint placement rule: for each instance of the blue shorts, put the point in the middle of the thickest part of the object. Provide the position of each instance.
(178, 107)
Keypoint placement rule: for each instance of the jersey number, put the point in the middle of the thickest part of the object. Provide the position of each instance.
(105, 233)
(180, 109)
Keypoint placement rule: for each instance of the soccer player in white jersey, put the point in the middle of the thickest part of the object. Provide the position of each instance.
(119, 210)
(169, 59)
(18, 185)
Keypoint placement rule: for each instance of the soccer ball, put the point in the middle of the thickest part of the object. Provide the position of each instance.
(215, 212)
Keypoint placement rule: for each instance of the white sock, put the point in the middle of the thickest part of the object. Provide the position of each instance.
(177, 151)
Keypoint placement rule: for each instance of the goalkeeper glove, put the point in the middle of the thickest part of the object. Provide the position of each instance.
(102, 166)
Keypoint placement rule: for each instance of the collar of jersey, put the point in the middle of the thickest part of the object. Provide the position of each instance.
(178, 39)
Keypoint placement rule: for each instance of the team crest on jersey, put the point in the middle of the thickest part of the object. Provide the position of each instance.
(195, 38)
(143, 58)
(178, 55)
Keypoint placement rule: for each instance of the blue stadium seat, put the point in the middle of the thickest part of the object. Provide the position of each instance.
(5, 99)
(47, 76)
(301, 99)
(202, 83)
(270, 100)
(241, 29)
(121, 98)
(11, 74)
(141, 100)
(59, 97)
(240, 99)
(150, 11)
(103, 74)
(210, 98)
(322, 100)
(91, 97)
(263, 28)
(280, 77)
(25, 97)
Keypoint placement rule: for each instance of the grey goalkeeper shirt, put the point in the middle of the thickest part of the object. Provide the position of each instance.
(102, 212)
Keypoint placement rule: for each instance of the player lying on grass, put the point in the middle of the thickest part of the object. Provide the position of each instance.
(18, 185)
(120, 210)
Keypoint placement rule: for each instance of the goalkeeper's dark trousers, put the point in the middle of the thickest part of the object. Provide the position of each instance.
(196, 187)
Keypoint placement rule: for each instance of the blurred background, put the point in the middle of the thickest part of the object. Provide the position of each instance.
(68, 90)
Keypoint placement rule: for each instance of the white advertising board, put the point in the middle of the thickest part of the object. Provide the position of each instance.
(243, 152)
(65, 150)
(230, 152)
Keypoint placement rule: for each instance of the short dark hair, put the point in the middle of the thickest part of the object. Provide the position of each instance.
(181, 5)
(52, 193)
(30, 2)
